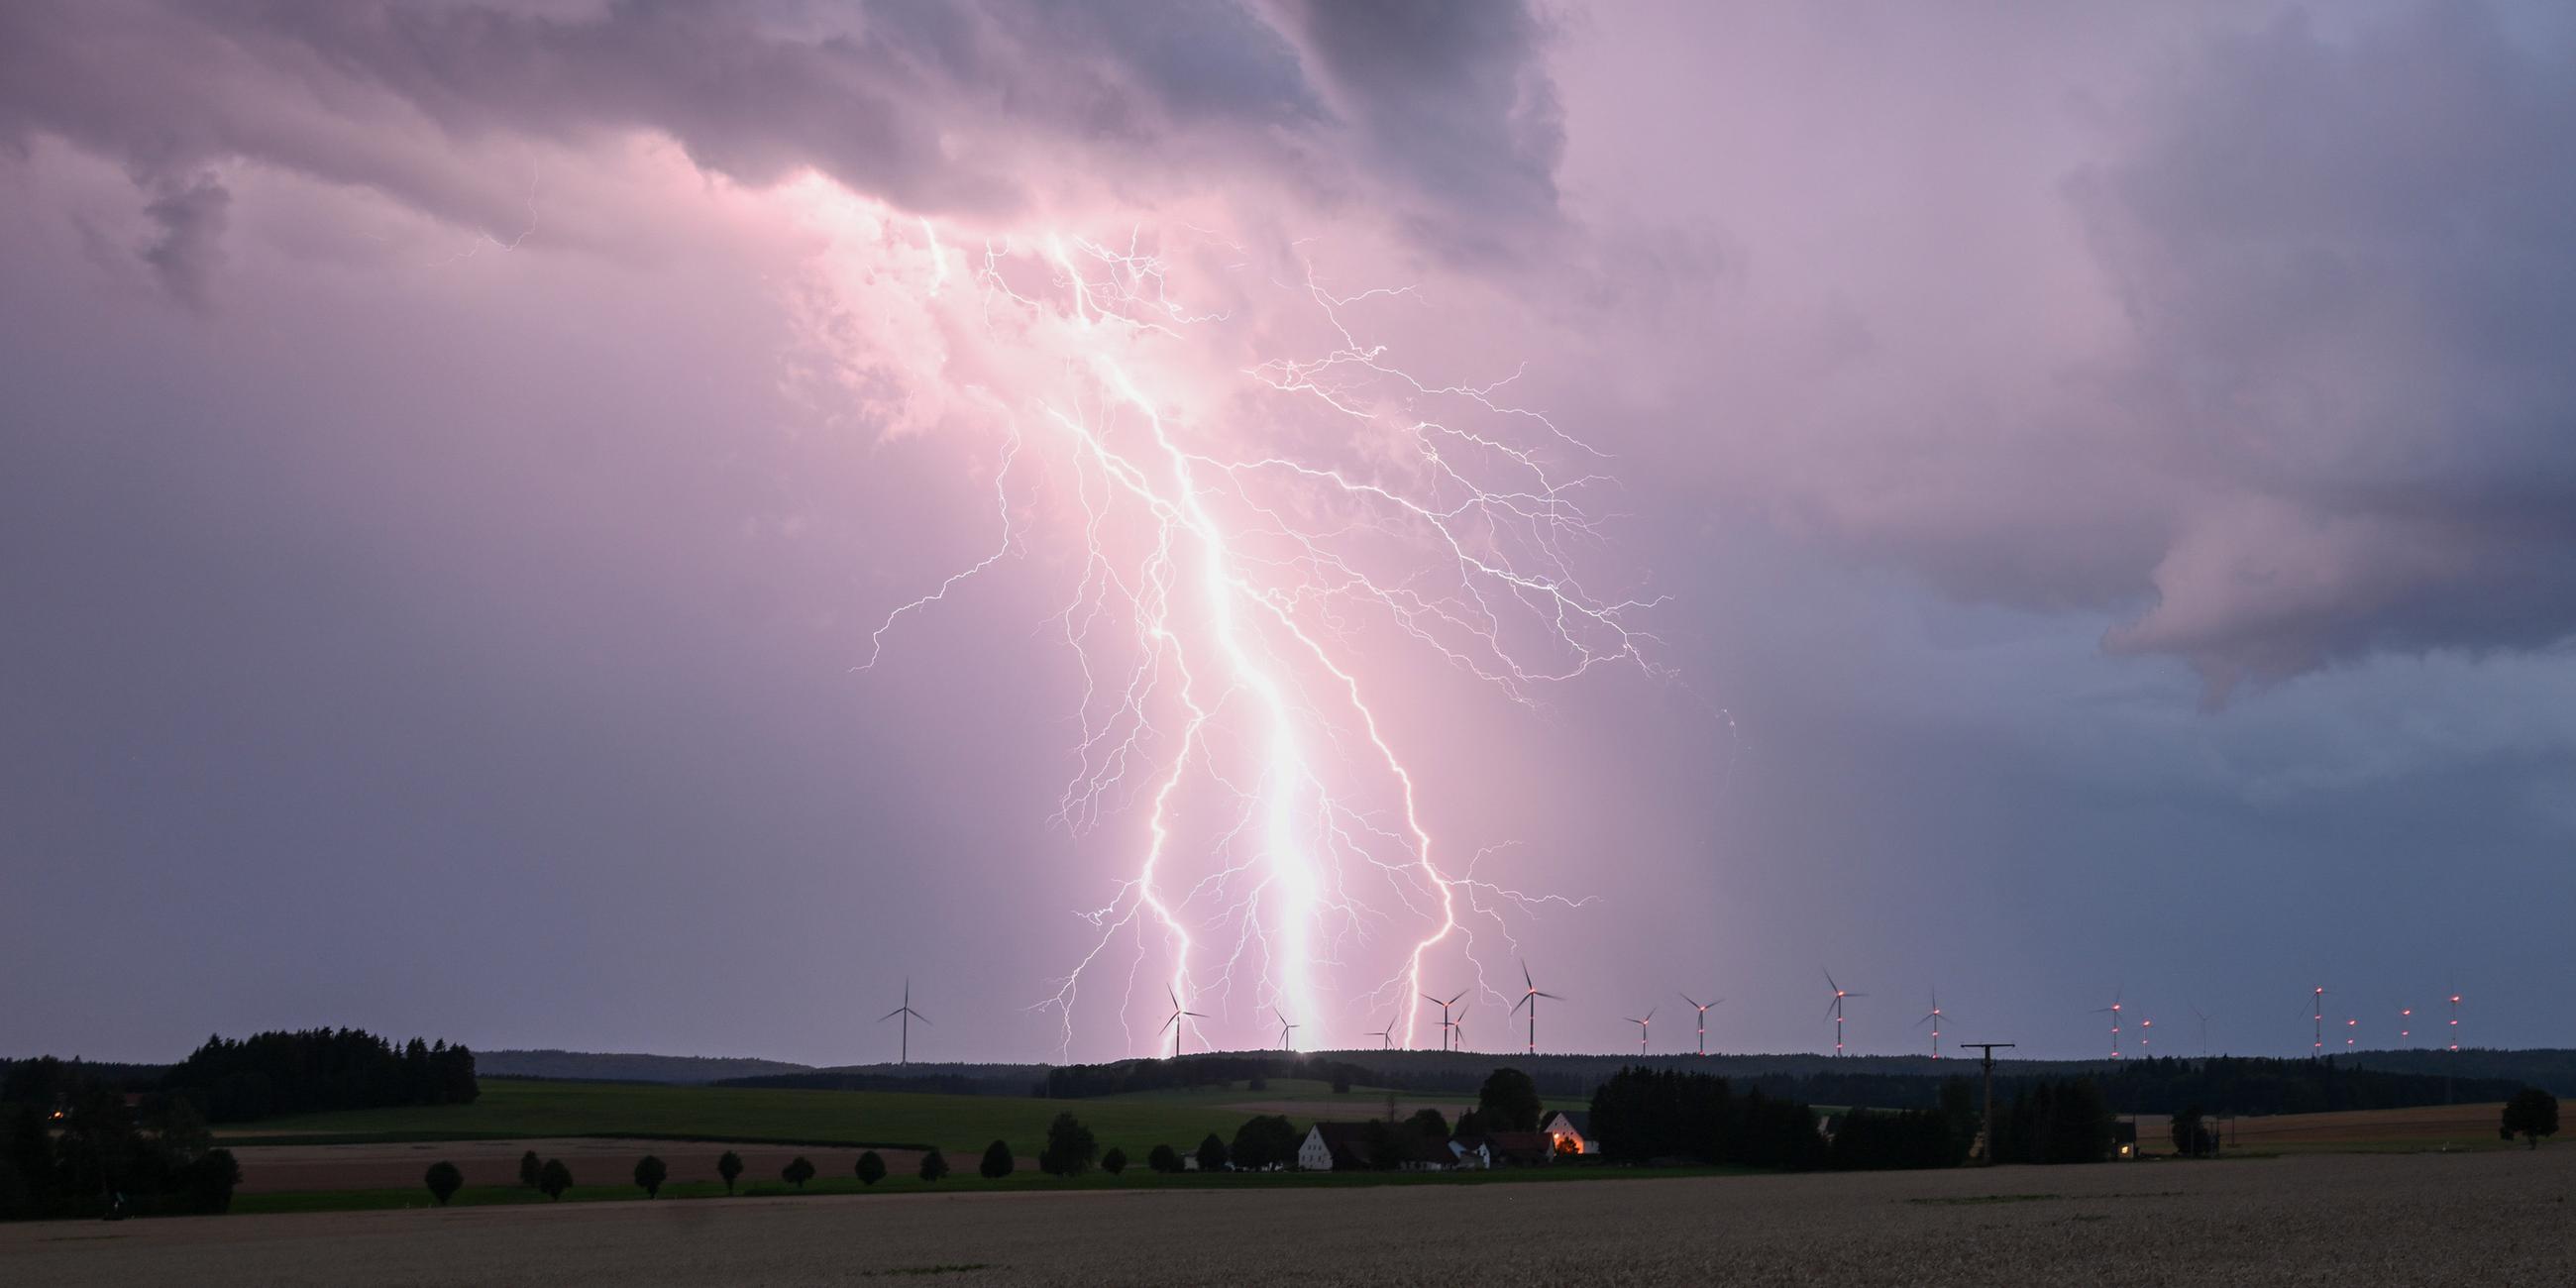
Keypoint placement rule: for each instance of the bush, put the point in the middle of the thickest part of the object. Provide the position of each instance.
(2531, 1114)
(729, 1167)
(2192, 1137)
(1163, 1158)
(1341, 1084)
(554, 1179)
(529, 1167)
(1211, 1154)
(797, 1172)
(443, 1180)
(1114, 1162)
(1069, 1147)
(871, 1168)
(650, 1172)
(934, 1165)
(997, 1161)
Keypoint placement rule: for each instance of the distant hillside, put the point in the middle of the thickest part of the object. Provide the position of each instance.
(949, 1079)
(590, 1066)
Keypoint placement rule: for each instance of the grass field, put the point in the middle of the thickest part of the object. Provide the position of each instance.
(2431, 1129)
(961, 1125)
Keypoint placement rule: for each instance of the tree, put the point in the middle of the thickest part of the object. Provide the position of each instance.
(1428, 1125)
(798, 1171)
(2531, 1114)
(529, 1166)
(554, 1179)
(871, 1168)
(443, 1181)
(1114, 1162)
(934, 1165)
(1069, 1147)
(1508, 1102)
(997, 1161)
(1163, 1158)
(2191, 1135)
(1211, 1154)
(650, 1172)
(1341, 1082)
(729, 1167)
(1264, 1143)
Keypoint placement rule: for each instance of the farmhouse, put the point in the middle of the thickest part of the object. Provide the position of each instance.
(1336, 1147)
(1508, 1148)
(1566, 1132)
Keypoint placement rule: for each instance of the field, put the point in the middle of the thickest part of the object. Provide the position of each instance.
(2486, 1218)
(2438, 1127)
(515, 1108)
(375, 1157)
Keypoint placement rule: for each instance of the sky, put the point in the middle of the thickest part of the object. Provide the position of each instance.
(639, 526)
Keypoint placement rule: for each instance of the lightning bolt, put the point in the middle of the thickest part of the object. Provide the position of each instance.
(1223, 599)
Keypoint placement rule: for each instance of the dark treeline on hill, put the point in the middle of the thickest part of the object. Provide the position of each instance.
(319, 1069)
(71, 1145)
(1079, 1080)
(1643, 1116)
(1008, 1080)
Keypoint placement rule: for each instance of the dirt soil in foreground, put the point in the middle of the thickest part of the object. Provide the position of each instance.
(2494, 1218)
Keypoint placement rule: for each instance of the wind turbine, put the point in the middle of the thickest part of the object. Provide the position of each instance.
(1285, 1028)
(2406, 1024)
(1703, 1019)
(1934, 1016)
(2351, 1030)
(2146, 1036)
(909, 1015)
(1385, 1036)
(1174, 1023)
(2455, 1021)
(2204, 1030)
(1446, 1028)
(1641, 1029)
(1836, 1009)
(1529, 998)
(2320, 1016)
(2113, 1010)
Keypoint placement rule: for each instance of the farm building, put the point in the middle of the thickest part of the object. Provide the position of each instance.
(1566, 1132)
(1510, 1148)
(1331, 1147)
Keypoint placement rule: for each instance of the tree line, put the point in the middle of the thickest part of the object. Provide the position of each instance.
(316, 1070)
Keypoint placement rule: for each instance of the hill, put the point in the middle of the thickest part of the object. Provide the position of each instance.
(587, 1066)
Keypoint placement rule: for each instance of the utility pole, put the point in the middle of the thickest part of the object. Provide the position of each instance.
(1987, 1062)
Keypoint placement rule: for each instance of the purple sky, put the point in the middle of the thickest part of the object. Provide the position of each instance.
(2107, 481)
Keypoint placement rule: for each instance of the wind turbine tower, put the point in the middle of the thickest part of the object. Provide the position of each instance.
(1641, 1029)
(1835, 1009)
(2113, 1010)
(904, 1052)
(1529, 997)
(2320, 1017)
(1174, 1023)
(2455, 1021)
(1446, 1027)
(1933, 1017)
(2406, 1024)
(1703, 1019)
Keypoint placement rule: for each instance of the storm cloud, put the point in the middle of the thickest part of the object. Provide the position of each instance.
(2092, 456)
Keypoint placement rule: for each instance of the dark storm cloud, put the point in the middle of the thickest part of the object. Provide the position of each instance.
(936, 108)
(2348, 267)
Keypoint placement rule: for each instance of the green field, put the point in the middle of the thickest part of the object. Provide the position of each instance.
(512, 1108)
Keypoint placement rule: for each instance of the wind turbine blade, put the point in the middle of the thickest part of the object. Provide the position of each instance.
(1167, 1024)
(1525, 1000)
(1433, 1000)
(1461, 993)
(1650, 1015)
(889, 1015)
(1549, 996)
(917, 1015)
(1927, 1018)
(1176, 998)
(1194, 1015)
(1829, 982)
(1687, 998)
(1834, 1005)
(1852, 995)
